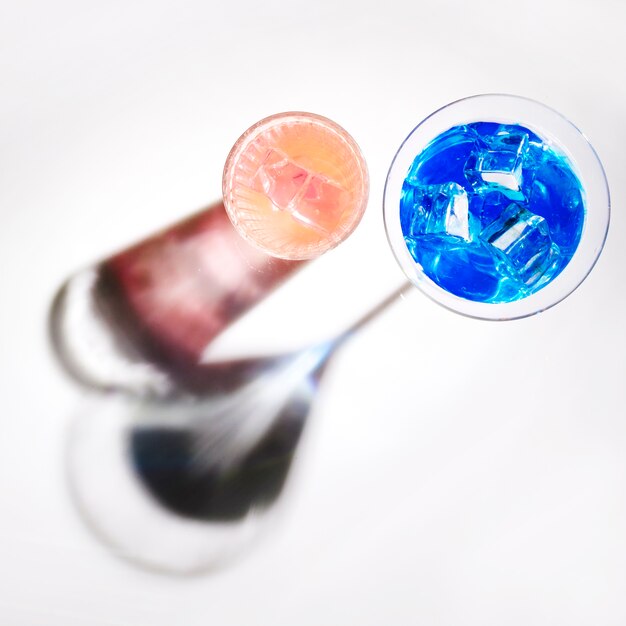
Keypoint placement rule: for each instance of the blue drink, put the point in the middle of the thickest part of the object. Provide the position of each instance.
(491, 212)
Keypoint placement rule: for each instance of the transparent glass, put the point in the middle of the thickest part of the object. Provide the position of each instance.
(553, 129)
(295, 185)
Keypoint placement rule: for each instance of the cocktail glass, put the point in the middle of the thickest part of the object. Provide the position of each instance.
(449, 208)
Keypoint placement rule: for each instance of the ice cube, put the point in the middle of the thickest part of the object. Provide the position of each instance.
(444, 157)
(487, 206)
(279, 179)
(321, 204)
(311, 198)
(524, 240)
(498, 164)
(438, 209)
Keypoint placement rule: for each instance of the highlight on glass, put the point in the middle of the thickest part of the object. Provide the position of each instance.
(496, 207)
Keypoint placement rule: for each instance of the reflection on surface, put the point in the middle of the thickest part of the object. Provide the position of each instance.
(141, 319)
(182, 485)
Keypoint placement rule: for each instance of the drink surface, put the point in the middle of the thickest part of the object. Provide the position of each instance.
(295, 185)
(491, 212)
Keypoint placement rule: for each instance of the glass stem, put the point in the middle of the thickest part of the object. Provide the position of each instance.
(372, 313)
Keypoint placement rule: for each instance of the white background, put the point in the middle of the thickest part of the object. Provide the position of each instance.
(455, 472)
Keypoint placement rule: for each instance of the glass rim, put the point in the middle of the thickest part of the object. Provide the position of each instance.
(297, 251)
(555, 129)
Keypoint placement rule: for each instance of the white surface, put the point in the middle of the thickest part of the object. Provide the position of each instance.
(483, 481)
